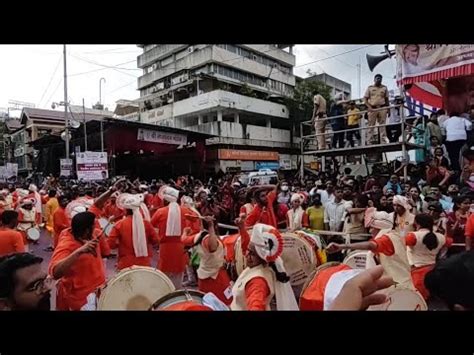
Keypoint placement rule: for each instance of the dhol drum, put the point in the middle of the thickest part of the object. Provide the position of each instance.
(106, 226)
(33, 234)
(299, 258)
(360, 259)
(315, 273)
(134, 288)
(182, 300)
(401, 299)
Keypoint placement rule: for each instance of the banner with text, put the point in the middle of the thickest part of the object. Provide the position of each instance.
(65, 167)
(92, 166)
(147, 135)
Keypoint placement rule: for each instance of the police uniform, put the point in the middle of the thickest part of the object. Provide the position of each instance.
(377, 97)
(320, 120)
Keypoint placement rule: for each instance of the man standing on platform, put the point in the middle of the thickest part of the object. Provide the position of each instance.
(319, 119)
(376, 97)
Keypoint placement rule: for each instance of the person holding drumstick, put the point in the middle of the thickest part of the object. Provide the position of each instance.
(423, 247)
(391, 251)
(26, 219)
(265, 277)
(77, 263)
(133, 236)
(212, 276)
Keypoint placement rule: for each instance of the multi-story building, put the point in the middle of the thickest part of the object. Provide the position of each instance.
(337, 85)
(35, 123)
(234, 92)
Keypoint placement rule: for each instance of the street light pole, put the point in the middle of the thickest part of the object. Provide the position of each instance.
(101, 123)
(100, 89)
(85, 128)
(66, 130)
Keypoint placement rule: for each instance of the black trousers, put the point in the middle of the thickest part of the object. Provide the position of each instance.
(338, 137)
(352, 134)
(453, 148)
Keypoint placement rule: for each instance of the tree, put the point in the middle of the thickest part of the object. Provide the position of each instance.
(301, 104)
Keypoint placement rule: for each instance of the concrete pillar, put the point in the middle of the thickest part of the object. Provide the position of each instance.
(219, 116)
(200, 119)
(236, 117)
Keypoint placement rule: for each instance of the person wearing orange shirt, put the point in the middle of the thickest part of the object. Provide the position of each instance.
(133, 236)
(152, 200)
(51, 206)
(391, 251)
(265, 277)
(171, 221)
(77, 263)
(111, 210)
(423, 248)
(248, 207)
(11, 241)
(263, 211)
(212, 276)
(296, 217)
(60, 219)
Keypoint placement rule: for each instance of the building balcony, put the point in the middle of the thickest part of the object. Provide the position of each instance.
(157, 53)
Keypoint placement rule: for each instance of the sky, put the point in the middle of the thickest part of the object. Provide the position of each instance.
(34, 73)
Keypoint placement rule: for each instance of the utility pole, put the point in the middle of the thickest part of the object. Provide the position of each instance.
(84, 124)
(66, 104)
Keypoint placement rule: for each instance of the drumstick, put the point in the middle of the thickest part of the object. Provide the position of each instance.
(222, 225)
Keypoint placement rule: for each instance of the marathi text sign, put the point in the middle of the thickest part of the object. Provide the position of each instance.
(161, 137)
(414, 60)
(92, 166)
(232, 154)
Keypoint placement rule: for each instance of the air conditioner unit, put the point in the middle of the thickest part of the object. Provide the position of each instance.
(190, 49)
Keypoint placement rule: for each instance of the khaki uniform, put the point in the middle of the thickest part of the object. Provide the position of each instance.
(376, 96)
(320, 120)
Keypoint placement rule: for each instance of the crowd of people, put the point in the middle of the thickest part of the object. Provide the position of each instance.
(416, 222)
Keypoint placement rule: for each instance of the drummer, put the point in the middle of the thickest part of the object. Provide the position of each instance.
(423, 247)
(212, 276)
(296, 217)
(111, 211)
(77, 263)
(171, 221)
(263, 211)
(391, 251)
(26, 219)
(132, 235)
(265, 277)
(60, 219)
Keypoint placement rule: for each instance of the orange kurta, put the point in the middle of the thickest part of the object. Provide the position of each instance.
(264, 215)
(256, 294)
(11, 241)
(84, 277)
(112, 210)
(221, 283)
(121, 237)
(173, 258)
(60, 223)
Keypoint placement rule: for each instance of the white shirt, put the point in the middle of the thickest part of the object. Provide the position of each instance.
(455, 128)
(334, 214)
(325, 197)
(394, 116)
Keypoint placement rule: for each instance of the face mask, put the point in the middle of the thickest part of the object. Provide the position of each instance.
(284, 188)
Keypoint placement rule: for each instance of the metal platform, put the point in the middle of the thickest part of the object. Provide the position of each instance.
(367, 149)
